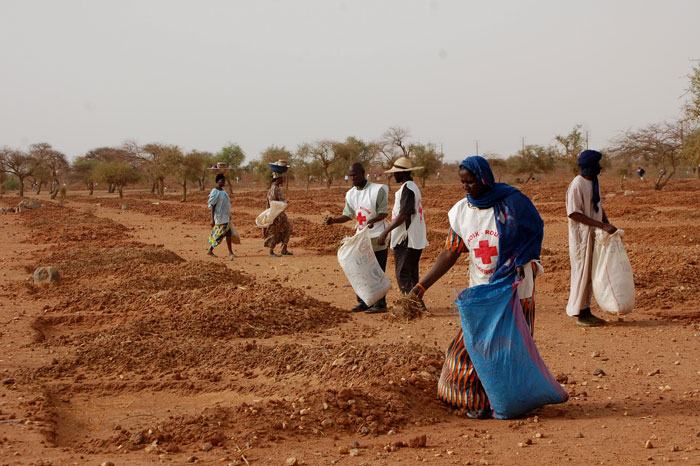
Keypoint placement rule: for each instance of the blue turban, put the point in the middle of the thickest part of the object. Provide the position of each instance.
(519, 225)
(589, 161)
(493, 191)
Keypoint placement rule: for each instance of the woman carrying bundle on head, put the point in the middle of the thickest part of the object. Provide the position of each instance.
(220, 205)
(281, 229)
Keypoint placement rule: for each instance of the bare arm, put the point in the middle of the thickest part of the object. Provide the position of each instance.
(604, 225)
(399, 220)
(377, 218)
(332, 220)
(443, 263)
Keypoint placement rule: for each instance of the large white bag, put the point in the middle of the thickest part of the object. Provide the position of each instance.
(357, 260)
(268, 216)
(613, 281)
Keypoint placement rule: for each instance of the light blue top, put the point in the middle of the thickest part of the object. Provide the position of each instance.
(221, 203)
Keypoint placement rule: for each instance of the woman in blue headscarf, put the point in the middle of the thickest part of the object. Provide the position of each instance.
(502, 232)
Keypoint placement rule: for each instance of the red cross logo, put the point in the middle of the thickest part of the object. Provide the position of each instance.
(485, 252)
(361, 219)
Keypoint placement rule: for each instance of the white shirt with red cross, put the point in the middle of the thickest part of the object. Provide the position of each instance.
(363, 205)
(477, 228)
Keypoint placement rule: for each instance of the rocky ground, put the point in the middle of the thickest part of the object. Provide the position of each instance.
(147, 351)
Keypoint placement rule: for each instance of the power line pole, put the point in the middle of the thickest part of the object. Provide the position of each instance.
(477, 146)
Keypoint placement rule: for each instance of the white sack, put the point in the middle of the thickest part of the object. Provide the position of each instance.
(357, 260)
(269, 215)
(613, 281)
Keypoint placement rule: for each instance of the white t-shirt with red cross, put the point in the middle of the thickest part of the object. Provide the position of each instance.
(477, 228)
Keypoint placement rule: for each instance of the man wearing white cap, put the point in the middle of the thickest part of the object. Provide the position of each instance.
(407, 227)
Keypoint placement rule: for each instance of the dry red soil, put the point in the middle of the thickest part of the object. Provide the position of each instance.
(146, 351)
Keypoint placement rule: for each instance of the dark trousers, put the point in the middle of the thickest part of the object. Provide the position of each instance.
(406, 267)
(381, 258)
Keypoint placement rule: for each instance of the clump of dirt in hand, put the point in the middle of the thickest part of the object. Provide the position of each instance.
(409, 307)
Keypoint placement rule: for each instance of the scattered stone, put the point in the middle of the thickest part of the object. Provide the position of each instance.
(355, 445)
(191, 459)
(8, 382)
(327, 422)
(354, 452)
(107, 463)
(136, 438)
(539, 435)
(648, 445)
(628, 192)
(418, 442)
(152, 447)
(46, 275)
(654, 372)
(28, 204)
(675, 448)
(125, 206)
(599, 372)
(292, 461)
(578, 435)
(343, 450)
(207, 446)
(595, 354)
(562, 378)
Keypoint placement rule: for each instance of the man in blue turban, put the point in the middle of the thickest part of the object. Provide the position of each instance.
(585, 212)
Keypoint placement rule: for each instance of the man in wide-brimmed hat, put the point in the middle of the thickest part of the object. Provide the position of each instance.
(407, 227)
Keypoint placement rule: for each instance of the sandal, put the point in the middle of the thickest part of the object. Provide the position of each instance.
(274, 255)
(287, 253)
(231, 255)
(479, 414)
(591, 321)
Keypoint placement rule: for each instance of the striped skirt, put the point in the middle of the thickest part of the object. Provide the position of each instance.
(459, 383)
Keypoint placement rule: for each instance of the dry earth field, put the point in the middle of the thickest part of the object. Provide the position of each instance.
(147, 351)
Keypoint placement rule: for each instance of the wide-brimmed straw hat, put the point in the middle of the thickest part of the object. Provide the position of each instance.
(403, 164)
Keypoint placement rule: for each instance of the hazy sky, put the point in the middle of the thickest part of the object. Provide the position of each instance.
(83, 74)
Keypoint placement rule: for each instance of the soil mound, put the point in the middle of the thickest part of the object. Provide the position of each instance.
(57, 224)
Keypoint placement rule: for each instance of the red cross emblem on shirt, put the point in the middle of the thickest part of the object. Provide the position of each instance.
(485, 252)
(361, 219)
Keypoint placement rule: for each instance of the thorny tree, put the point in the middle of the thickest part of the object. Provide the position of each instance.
(571, 146)
(658, 145)
(52, 162)
(16, 163)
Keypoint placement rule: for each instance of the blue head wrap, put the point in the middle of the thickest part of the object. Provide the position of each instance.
(520, 228)
(589, 161)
